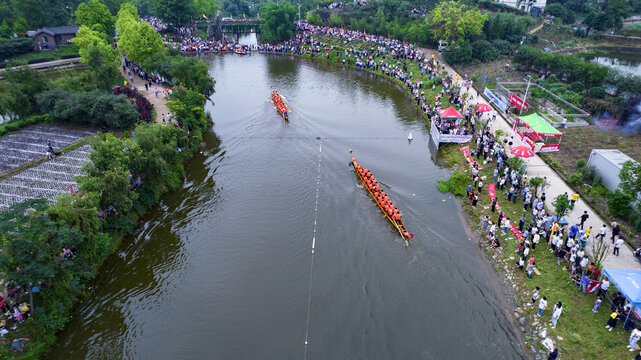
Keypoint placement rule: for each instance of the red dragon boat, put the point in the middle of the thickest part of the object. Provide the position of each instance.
(280, 105)
(382, 200)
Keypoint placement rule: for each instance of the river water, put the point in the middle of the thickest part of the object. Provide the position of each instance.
(221, 268)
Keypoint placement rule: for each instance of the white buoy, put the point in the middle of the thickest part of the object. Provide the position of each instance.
(410, 137)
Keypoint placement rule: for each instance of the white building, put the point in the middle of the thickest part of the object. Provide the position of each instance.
(536, 7)
(608, 163)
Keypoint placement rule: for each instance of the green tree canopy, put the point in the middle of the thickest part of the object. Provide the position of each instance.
(18, 96)
(452, 20)
(31, 243)
(615, 12)
(95, 12)
(279, 21)
(177, 12)
(140, 42)
(630, 176)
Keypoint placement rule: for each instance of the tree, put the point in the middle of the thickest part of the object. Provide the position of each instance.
(630, 176)
(615, 12)
(600, 251)
(451, 20)
(31, 242)
(108, 173)
(95, 12)
(279, 21)
(127, 15)
(314, 19)
(620, 203)
(561, 206)
(103, 64)
(535, 182)
(335, 21)
(18, 97)
(41, 13)
(140, 42)
(20, 26)
(176, 12)
(204, 7)
(5, 30)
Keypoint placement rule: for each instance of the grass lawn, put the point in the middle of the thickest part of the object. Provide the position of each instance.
(580, 333)
(57, 53)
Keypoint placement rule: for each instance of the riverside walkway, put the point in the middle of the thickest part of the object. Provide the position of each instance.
(556, 186)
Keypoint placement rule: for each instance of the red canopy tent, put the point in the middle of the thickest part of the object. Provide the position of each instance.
(450, 114)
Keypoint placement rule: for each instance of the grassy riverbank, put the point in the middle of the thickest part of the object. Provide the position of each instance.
(126, 177)
(580, 333)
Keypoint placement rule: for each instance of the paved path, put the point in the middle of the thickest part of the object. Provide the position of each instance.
(159, 103)
(537, 167)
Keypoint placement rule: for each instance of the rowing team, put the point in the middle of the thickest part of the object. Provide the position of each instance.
(278, 101)
(379, 194)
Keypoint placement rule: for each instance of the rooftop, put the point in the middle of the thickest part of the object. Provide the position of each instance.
(613, 155)
(57, 30)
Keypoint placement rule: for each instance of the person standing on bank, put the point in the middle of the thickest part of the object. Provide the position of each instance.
(556, 314)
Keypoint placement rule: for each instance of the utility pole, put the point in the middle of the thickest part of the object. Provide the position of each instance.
(525, 97)
(299, 13)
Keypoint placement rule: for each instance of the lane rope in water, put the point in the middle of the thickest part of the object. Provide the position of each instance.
(311, 138)
(311, 266)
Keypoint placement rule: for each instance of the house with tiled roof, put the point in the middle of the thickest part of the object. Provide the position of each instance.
(51, 37)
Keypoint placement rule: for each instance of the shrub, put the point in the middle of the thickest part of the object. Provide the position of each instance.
(597, 192)
(575, 179)
(456, 184)
(577, 86)
(20, 124)
(596, 92)
(581, 165)
(503, 46)
(9, 48)
(88, 108)
(620, 203)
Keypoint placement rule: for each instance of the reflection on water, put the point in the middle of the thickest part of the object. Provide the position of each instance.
(221, 268)
(627, 63)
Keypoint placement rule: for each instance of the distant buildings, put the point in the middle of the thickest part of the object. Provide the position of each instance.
(536, 7)
(51, 37)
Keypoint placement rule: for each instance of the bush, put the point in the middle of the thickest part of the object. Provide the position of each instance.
(576, 179)
(577, 86)
(581, 165)
(20, 124)
(620, 203)
(596, 92)
(456, 184)
(597, 192)
(503, 46)
(95, 108)
(15, 47)
(484, 51)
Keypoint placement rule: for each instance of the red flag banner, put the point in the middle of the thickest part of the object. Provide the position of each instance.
(466, 154)
(593, 286)
(491, 191)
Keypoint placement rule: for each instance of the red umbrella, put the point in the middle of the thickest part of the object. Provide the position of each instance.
(522, 151)
(483, 107)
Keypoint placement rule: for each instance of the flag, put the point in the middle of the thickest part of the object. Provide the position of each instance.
(204, 16)
(593, 285)
(71, 189)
